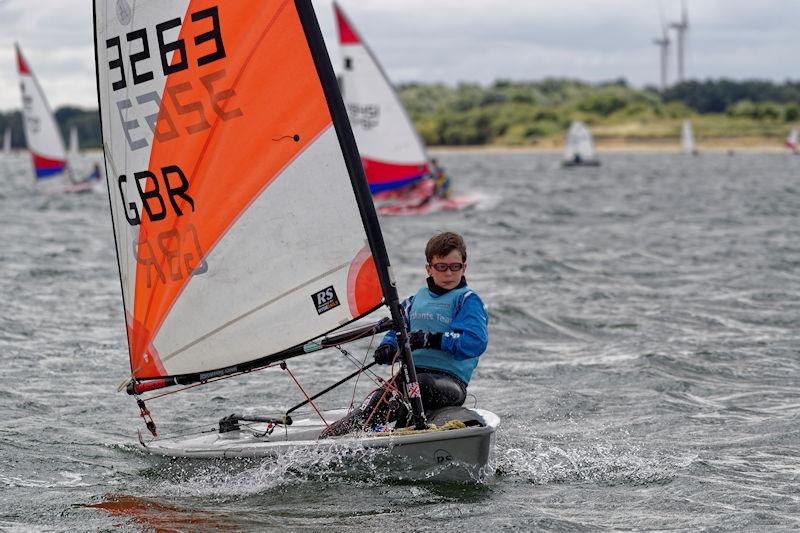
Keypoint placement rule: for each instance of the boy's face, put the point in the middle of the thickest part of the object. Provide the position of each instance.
(449, 278)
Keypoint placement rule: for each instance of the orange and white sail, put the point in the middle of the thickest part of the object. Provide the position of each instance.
(238, 225)
(41, 130)
(391, 150)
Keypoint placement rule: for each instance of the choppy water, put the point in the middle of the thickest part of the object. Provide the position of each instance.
(643, 359)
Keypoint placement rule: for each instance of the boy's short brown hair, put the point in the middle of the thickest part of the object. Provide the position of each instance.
(442, 244)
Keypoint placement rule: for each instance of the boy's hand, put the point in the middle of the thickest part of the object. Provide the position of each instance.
(425, 339)
(384, 354)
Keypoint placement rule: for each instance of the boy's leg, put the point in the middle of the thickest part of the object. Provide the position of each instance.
(440, 390)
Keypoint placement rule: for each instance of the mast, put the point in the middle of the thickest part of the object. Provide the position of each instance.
(369, 217)
(681, 28)
(663, 45)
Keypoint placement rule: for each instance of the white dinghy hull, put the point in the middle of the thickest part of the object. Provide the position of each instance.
(455, 454)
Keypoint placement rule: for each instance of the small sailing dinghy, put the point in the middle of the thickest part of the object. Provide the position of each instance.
(687, 138)
(400, 174)
(41, 130)
(245, 230)
(793, 141)
(7, 142)
(579, 148)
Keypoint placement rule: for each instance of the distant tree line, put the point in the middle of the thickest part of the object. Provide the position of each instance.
(514, 112)
(519, 112)
(86, 120)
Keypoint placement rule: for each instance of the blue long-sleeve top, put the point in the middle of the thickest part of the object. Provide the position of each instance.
(464, 340)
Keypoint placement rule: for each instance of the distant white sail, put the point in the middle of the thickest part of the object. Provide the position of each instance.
(74, 147)
(792, 140)
(39, 124)
(579, 145)
(391, 149)
(7, 141)
(687, 138)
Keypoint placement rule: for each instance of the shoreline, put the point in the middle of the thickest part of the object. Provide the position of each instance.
(549, 146)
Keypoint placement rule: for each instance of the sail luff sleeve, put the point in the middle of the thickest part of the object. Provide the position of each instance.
(369, 216)
(107, 174)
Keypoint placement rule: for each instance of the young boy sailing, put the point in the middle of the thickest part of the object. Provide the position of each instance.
(448, 323)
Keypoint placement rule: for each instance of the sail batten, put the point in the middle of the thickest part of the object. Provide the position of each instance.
(240, 232)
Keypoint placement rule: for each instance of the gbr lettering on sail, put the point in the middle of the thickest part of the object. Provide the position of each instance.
(135, 58)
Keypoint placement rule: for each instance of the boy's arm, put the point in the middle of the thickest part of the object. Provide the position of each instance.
(391, 336)
(470, 332)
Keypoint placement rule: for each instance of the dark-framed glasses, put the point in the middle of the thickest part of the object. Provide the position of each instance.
(443, 267)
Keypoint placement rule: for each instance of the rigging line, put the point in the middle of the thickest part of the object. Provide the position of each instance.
(389, 386)
(363, 362)
(254, 310)
(284, 366)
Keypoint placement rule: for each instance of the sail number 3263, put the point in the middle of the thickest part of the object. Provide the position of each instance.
(174, 57)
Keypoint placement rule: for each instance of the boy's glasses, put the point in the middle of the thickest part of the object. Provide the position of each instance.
(442, 267)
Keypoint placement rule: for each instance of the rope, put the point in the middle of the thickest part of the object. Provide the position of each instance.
(363, 362)
(286, 367)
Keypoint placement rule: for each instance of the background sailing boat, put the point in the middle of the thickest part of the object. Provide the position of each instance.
(792, 141)
(401, 176)
(579, 147)
(687, 138)
(391, 149)
(7, 142)
(41, 131)
(74, 145)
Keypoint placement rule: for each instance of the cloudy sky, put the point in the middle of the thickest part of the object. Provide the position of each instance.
(463, 40)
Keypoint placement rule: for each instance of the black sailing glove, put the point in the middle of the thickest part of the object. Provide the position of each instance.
(425, 339)
(384, 354)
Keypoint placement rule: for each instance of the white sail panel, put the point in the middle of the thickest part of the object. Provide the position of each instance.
(263, 291)
(237, 225)
(39, 124)
(579, 143)
(7, 141)
(687, 137)
(792, 141)
(391, 149)
(74, 145)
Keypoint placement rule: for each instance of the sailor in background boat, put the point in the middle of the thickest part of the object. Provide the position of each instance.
(448, 325)
(94, 175)
(441, 180)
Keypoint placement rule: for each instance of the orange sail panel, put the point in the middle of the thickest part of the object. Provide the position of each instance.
(237, 227)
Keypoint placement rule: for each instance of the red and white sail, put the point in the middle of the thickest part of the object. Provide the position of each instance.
(238, 230)
(391, 150)
(41, 131)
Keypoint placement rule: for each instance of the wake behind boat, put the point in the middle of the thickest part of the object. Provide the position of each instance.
(205, 295)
